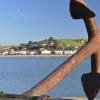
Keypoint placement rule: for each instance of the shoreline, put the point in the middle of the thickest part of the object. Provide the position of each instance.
(34, 56)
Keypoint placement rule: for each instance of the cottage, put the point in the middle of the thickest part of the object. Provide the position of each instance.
(46, 52)
(32, 52)
(59, 52)
(69, 52)
(5, 53)
(24, 52)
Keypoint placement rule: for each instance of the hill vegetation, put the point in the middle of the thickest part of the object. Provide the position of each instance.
(50, 44)
(74, 42)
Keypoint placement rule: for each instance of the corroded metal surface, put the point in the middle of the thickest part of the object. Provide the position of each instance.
(78, 10)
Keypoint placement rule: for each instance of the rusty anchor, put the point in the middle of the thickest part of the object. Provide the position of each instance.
(91, 81)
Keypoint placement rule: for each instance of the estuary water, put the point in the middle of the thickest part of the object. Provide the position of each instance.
(18, 74)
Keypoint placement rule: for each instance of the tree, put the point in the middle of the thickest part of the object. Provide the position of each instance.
(56, 44)
(51, 42)
(30, 45)
(51, 39)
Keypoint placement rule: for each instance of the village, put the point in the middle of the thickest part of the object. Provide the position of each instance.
(41, 52)
(49, 46)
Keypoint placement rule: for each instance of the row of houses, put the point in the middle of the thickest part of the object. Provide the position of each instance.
(59, 52)
(36, 52)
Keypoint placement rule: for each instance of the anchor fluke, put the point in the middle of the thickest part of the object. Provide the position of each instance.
(91, 84)
(79, 10)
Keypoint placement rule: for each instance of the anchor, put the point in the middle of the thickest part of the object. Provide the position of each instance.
(90, 81)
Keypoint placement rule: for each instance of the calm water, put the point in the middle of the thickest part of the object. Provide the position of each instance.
(19, 74)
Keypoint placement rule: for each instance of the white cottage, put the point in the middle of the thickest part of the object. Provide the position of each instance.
(46, 52)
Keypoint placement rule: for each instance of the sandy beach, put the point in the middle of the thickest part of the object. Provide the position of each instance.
(35, 55)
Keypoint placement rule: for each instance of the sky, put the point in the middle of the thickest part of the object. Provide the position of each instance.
(24, 20)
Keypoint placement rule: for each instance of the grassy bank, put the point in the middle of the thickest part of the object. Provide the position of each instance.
(73, 42)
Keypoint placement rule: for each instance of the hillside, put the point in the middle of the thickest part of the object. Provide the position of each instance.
(57, 43)
(73, 42)
(4, 47)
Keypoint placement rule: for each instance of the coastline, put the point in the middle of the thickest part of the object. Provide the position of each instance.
(34, 56)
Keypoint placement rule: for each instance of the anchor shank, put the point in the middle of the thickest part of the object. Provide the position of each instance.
(93, 31)
(91, 27)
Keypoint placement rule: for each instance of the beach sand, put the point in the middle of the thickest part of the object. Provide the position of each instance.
(35, 55)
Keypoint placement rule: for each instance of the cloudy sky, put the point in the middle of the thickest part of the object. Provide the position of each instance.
(24, 20)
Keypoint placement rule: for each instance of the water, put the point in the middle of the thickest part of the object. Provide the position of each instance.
(21, 73)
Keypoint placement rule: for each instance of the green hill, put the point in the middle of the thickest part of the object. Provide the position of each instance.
(73, 42)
